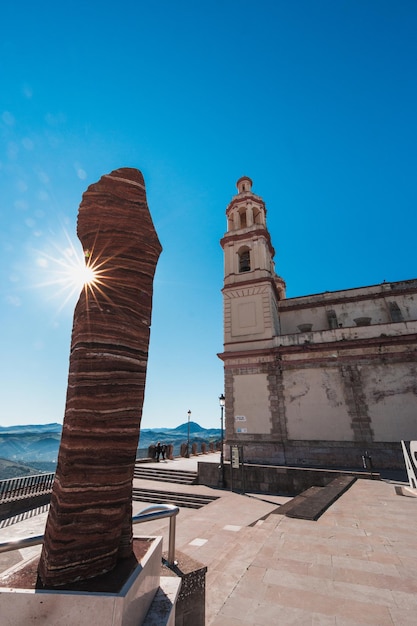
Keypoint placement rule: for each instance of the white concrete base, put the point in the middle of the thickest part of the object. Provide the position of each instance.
(129, 607)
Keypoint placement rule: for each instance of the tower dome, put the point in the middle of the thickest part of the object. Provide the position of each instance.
(244, 184)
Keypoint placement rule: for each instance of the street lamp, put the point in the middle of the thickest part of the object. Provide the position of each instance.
(222, 401)
(188, 438)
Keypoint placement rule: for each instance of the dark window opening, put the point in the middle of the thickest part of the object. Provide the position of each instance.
(257, 217)
(332, 319)
(395, 312)
(244, 261)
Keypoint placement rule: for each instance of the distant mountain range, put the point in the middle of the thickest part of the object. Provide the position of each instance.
(34, 448)
(26, 444)
(180, 433)
(31, 428)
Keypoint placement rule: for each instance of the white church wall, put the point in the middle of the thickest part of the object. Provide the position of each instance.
(391, 397)
(315, 405)
(313, 379)
(251, 406)
(348, 306)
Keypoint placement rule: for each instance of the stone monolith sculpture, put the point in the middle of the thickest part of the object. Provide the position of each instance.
(89, 526)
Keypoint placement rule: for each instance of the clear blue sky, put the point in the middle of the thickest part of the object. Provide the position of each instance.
(316, 101)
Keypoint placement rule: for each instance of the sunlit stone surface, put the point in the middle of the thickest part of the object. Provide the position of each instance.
(89, 525)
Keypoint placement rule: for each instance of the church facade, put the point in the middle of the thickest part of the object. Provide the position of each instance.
(316, 380)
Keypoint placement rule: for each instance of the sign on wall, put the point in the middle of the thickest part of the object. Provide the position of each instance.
(411, 462)
(235, 457)
(240, 418)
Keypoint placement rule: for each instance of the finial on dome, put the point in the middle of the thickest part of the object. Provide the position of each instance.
(244, 184)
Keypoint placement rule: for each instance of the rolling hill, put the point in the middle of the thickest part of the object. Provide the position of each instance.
(34, 448)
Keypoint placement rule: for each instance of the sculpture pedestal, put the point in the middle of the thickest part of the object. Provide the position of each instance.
(126, 607)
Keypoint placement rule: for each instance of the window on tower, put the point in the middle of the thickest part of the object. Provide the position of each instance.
(244, 260)
(395, 312)
(332, 319)
(257, 217)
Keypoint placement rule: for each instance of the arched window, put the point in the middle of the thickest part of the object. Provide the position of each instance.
(244, 260)
(257, 217)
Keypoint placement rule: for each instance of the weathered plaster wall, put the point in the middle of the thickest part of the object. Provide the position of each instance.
(315, 405)
(324, 407)
(391, 396)
(348, 305)
(251, 406)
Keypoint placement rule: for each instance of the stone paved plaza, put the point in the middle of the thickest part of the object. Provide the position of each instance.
(356, 565)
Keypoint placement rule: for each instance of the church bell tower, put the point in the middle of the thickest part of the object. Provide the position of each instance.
(251, 287)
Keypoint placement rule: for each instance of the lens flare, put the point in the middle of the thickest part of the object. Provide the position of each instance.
(77, 274)
(63, 270)
(88, 275)
(80, 273)
(66, 269)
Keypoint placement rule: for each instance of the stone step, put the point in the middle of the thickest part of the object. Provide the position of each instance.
(181, 477)
(190, 500)
(179, 480)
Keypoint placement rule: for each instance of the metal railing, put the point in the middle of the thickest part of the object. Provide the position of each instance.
(156, 511)
(24, 486)
(159, 511)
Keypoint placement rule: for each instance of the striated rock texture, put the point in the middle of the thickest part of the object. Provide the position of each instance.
(89, 525)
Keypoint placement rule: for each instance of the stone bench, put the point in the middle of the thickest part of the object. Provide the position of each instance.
(313, 502)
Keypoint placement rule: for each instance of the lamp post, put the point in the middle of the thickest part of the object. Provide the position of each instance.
(188, 437)
(222, 401)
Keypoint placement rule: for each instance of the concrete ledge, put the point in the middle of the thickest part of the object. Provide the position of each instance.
(274, 479)
(311, 504)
